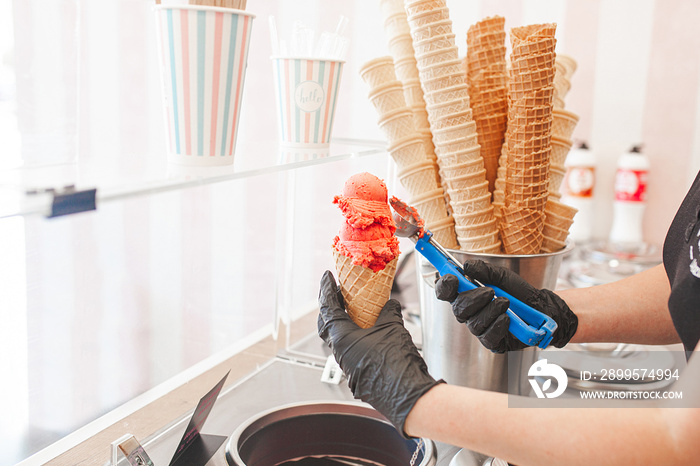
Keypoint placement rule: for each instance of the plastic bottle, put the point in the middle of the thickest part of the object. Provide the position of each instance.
(577, 190)
(630, 198)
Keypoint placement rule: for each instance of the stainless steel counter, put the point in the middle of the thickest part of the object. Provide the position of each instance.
(278, 383)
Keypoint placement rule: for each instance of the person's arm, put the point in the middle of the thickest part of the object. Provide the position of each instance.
(482, 421)
(631, 310)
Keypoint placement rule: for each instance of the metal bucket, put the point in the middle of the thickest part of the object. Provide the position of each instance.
(452, 352)
(336, 431)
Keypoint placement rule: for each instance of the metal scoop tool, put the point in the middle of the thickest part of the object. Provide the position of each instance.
(526, 324)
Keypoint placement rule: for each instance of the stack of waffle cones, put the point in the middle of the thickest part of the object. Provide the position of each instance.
(418, 173)
(364, 291)
(400, 43)
(563, 124)
(565, 67)
(558, 219)
(487, 77)
(558, 216)
(528, 139)
(499, 191)
(452, 125)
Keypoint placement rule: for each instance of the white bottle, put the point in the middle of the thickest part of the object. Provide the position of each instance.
(630, 198)
(577, 191)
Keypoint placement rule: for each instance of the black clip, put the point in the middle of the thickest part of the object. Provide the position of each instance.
(69, 201)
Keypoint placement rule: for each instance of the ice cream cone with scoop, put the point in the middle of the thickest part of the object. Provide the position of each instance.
(365, 250)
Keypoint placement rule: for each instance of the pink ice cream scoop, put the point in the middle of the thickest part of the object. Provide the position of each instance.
(367, 236)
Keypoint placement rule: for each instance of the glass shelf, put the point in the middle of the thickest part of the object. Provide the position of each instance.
(23, 191)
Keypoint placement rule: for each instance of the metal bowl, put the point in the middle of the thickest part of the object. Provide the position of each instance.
(342, 430)
(453, 353)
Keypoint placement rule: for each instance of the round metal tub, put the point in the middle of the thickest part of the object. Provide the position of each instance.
(453, 353)
(323, 429)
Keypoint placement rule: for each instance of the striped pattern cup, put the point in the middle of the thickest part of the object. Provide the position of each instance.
(203, 55)
(307, 91)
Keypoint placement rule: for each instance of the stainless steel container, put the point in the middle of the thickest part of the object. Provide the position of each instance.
(452, 352)
(337, 431)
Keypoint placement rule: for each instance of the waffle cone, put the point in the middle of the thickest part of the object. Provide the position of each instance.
(534, 174)
(365, 292)
(556, 233)
(568, 64)
(539, 98)
(532, 203)
(489, 25)
(561, 86)
(408, 151)
(525, 125)
(468, 166)
(401, 46)
(560, 209)
(427, 17)
(453, 120)
(443, 231)
(479, 243)
(560, 150)
(413, 93)
(488, 227)
(485, 64)
(378, 71)
(531, 80)
(458, 150)
(443, 69)
(435, 43)
(447, 108)
(472, 205)
(388, 97)
(492, 104)
(524, 63)
(493, 249)
(447, 134)
(442, 82)
(551, 245)
(419, 179)
(556, 177)
(564, 123)
(397, 125)
(406, 69)
(396, 24)
(532, 151)
(523, 218)
(557, 221)
(475, 218)
(533, 30)
(518, 240)
(420, 117)
(468, 186)
(413, 7)
(497, 208)
(437, 57)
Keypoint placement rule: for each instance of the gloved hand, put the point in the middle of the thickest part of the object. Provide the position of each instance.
(381, 363)
(486, 317)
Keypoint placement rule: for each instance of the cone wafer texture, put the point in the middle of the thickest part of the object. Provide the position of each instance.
(365, 292)
(528, 149)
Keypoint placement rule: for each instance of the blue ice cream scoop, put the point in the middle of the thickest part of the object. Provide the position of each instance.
(526, 323)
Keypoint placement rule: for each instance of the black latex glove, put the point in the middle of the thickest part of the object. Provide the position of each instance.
(486, 317)
(381, 363)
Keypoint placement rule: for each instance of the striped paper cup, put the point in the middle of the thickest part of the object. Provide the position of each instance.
(307, 91)
(203, 55)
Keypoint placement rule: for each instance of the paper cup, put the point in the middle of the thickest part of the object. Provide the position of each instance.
(307, 92)
(203, 55)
